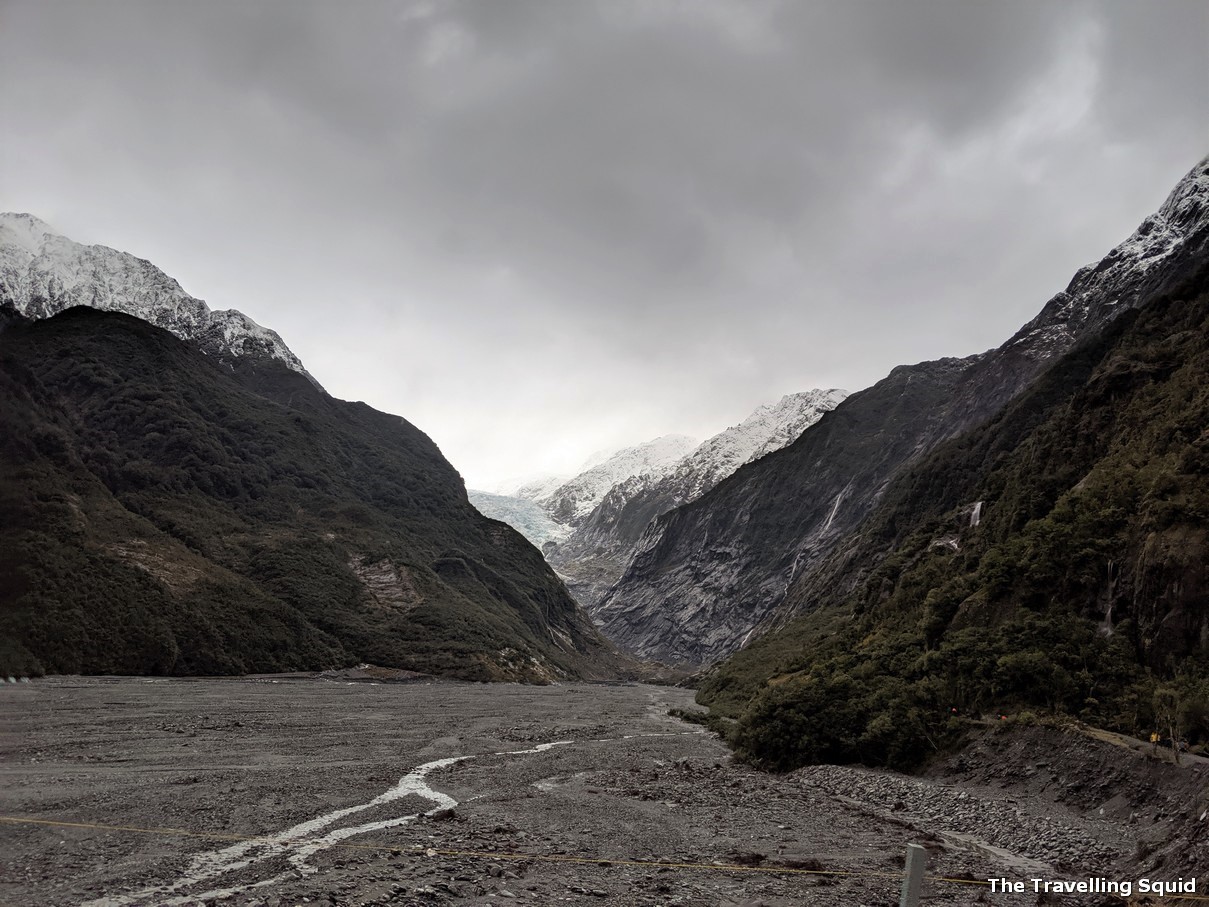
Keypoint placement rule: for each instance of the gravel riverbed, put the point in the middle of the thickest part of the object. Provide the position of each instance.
(450, 793)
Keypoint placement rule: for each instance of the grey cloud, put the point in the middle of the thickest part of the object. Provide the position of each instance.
(591, 215)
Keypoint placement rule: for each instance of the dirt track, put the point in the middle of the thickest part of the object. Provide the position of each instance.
(557, 773)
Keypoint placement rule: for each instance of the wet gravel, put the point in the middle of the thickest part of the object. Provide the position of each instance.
(630, 807)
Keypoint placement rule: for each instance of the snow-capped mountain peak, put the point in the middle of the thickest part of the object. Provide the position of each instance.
(539, 489)
(770, 427)
(575, 499)
(25, 231)
(43, 273)
(1131, 273)
(597, 552)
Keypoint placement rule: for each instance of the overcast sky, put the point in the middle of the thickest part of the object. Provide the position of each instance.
(540, 229)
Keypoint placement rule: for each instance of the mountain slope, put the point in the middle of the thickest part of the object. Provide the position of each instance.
(707, 576)
(1054, 558)
(597, 552)
(43, 273)
(572, 501)
(164, 513)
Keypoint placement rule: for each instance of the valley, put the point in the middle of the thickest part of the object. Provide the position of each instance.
(276, 790)
(427, 478)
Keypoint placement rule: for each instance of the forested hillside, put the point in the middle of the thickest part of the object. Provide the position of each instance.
(166, 514)
(1055, 559)
(708, 577)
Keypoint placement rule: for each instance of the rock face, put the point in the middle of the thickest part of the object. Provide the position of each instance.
(588, 524)
(43, 273)
(1054, 558)
(595, 555)
(707, 575)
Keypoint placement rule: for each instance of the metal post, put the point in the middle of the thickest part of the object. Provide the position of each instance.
(914, 879)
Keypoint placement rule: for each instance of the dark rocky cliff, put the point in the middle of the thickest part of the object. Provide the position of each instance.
(1053, 559)
(597, 553)
(709, 575)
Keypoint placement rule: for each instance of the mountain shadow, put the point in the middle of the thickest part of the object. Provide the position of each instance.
(166, 512)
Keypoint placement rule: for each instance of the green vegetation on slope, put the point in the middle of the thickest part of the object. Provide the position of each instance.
(1084, 588)
(163, 514)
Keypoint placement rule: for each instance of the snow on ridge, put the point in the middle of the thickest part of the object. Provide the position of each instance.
(1118, 281)
(43, 273)
(770, 427)
(595, 459)
(573, 500)
(538, 489)
(673, 463)
(26, 231)
(781, 423)
(693, 470)
(243, 335)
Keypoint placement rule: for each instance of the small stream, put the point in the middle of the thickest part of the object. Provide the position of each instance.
(300, 842)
